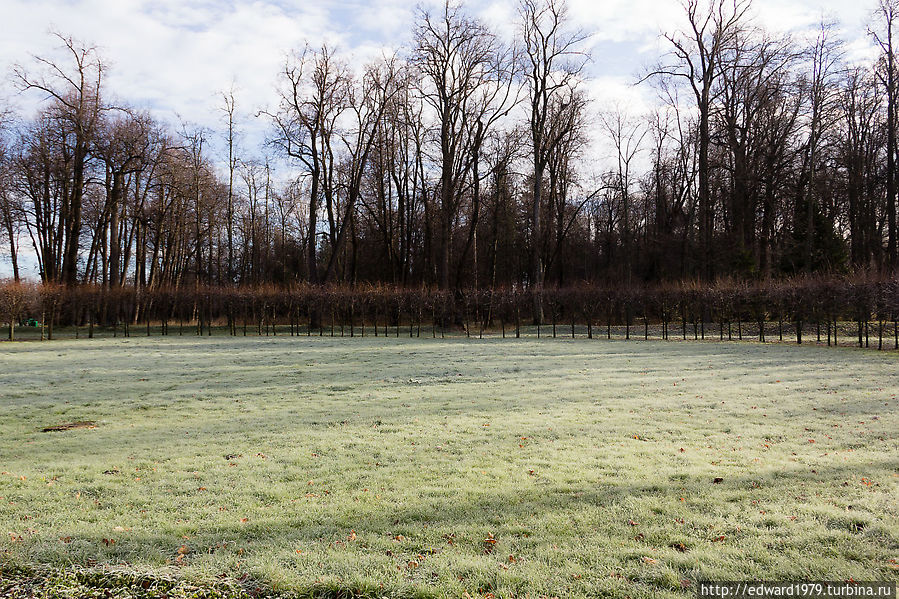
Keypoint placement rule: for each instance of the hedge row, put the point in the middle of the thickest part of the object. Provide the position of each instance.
(799, 303)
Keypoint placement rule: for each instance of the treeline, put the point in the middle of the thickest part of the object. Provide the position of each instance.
(820, 307)
(461, 162)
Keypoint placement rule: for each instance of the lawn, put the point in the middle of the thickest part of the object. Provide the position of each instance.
(422, 467)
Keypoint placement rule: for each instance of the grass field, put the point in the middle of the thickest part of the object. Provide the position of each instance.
(407, 467)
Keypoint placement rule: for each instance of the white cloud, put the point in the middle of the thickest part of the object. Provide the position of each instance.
(176, 57)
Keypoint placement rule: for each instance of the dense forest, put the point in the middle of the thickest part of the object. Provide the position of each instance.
(461, 162)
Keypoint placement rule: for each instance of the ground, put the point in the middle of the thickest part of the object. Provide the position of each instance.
(422, 467)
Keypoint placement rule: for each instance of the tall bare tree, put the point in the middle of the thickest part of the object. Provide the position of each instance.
(626, 134)
(229, 107)
(860, 143)
(10, 209)
(825, 65)
(554, 61)
(125, 147)
(314, 95)
(712, 25)
(887, 14)
(368, 102)
(465, 77)
(76, 106)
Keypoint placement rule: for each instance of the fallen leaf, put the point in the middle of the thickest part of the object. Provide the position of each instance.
(489, 543)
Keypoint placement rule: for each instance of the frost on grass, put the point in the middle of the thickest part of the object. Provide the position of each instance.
(421, 467)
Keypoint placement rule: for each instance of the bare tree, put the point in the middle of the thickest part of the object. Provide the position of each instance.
(368, 102)
(754, 72)
(860, 148)
(694, 56)
(76, 106)
(10, 209)
(887, 13)
(252, 173)
(627, 136)
(229, 107)
(465, 77)
(553, 65)
(313, 97)
(125, 145)
(396, 179)
(825, 62)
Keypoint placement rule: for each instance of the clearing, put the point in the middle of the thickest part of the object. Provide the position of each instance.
(420, 467)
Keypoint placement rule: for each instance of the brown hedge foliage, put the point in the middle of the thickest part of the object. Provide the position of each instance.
(684, 309)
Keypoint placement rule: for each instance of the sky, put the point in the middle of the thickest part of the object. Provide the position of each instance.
(177, 57)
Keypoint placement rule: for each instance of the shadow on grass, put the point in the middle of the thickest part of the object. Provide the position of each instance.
(426, 524)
